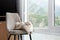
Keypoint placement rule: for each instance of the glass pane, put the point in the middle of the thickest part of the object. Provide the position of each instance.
(38, 13)
(57, 12)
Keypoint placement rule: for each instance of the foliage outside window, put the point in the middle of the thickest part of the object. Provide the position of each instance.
(38, 13)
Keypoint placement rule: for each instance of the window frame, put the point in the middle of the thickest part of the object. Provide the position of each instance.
(51, 16)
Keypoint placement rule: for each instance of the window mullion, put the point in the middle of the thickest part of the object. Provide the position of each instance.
(26, 10)
(53, 12)
(50, 13)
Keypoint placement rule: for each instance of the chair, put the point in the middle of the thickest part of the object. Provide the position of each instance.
(11, 19)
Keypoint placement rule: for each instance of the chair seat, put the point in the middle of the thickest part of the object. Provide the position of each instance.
(18, 32)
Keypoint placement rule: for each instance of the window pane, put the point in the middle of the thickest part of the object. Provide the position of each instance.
(38, 13)
(57, 12)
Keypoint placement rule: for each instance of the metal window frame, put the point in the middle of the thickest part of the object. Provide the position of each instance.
(51, 15)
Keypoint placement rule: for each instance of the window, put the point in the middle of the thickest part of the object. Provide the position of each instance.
(44, 14)
(57, 13)
(38, 13)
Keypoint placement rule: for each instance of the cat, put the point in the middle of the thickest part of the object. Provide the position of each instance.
(19, 25)
(27, 26)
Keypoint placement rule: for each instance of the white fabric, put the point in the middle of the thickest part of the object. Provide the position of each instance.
(19, 25)
(13, 21)
(12, 18)
(27, 26)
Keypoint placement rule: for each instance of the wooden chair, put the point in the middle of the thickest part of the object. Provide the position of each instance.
(11, 19)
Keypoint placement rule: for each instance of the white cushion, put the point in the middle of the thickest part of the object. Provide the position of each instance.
(12, 18)
(27, 26)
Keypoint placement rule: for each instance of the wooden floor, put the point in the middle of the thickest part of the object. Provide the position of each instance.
(12, 37)
(4, 33)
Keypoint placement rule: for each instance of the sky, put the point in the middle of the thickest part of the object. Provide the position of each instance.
(43, 3)
(38, 2)
(57, 2)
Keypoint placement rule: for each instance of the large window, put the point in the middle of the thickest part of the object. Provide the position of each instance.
(44, 14)
(38, 13)
(57, 12)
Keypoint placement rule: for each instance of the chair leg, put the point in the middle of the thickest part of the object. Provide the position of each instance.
(18, 37)
(21, 36)
(9, 37)
(30, 36)
(14, 37)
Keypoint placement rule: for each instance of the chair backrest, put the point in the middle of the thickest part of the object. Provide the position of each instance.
(11, 19)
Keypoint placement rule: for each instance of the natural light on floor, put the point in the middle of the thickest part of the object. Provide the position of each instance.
(40, 36)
